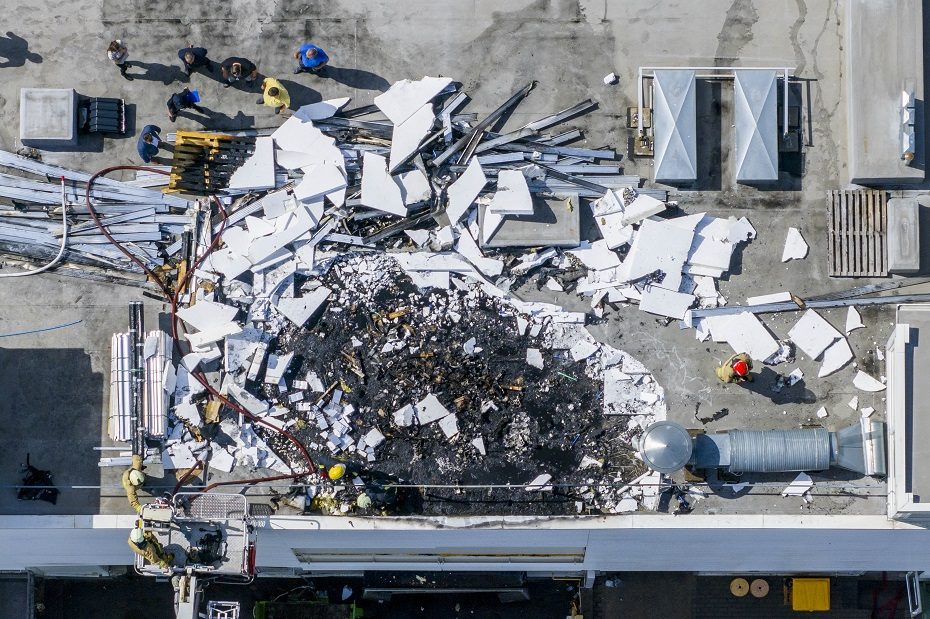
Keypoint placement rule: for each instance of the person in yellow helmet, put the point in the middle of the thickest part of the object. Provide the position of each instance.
(133, 478)
(336, 471)
(147, 546)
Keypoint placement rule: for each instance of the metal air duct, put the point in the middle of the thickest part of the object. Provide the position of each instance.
(666, 447)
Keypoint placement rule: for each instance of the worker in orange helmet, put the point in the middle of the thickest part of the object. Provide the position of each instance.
(736, 369)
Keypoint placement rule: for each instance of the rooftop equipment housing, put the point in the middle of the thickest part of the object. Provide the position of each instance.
(756, 111)
(675, 119)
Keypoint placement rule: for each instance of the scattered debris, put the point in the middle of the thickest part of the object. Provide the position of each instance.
(777, 297)
(853, 320)
(540, 483)
(836, 357)
(351, 286)
(795, 246)
(812, 334)
(866, 383)
(822, 412)
(717, 416)
(801, 486)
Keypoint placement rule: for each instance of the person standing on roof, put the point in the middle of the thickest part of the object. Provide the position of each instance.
(736, 369)
(310, 58)
(274, 95)
(194, 57)
(147, 546)
(235, 69)
(148, 143)
(119, 54)
(182, 101)
(133, 478)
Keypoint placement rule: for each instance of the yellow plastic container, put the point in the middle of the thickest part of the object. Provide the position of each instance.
(810, 594)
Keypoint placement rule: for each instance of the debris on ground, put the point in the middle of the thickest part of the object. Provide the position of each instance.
(351, 301)
(154, 227)
(853, 320)
(795, 246)
(865, 382)
(801, 486)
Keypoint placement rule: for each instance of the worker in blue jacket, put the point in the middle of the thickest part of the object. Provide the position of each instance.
(183, 100)
(310, 58)
(148, 142)
(194, 57)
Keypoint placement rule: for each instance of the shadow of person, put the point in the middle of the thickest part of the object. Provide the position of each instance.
(16, 51)
(157, 72)
(355, 78)
(213, 119)
(300, 94)
(766, 383)
(210, 71)
(225, 121)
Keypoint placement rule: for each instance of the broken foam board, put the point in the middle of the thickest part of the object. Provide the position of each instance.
(258, 170)
(800, 486)
(775, 297)
(464, 190)
(659, 246)
(205, 314)
(321, 110)
(512, 196)
(744, 332)
(319, 180)
(404, 98)
(835, 357)
(430, 409)
(853, 320)
(300, 310)
(406, 137)
(414, 187)
(813, 334)
(596, 256)
(795, 246)
(866, 383)
(639, 209)
(664, 302)
(379, 190)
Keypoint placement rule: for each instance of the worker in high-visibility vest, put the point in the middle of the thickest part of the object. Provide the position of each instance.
(736, 369)
(133, 478)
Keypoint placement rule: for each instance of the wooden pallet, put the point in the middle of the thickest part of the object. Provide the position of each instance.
(204, 162)
(858, 233)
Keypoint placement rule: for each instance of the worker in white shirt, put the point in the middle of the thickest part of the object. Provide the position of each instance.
(119, 54)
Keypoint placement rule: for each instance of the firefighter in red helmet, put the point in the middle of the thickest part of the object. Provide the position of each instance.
(736, 369)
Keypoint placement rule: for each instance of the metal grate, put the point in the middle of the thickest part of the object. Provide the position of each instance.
(858, 233)
(222, 610)
(211, 506)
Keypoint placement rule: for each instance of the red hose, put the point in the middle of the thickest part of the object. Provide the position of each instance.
(173, 301)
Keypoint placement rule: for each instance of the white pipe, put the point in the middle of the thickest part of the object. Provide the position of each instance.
(64, 240)
(782, 68)
(785, 106)
(786, 70)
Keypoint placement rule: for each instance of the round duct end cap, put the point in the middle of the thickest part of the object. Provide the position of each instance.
(665, 447)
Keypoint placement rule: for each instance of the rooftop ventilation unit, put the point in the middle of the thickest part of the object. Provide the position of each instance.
(667, 447)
